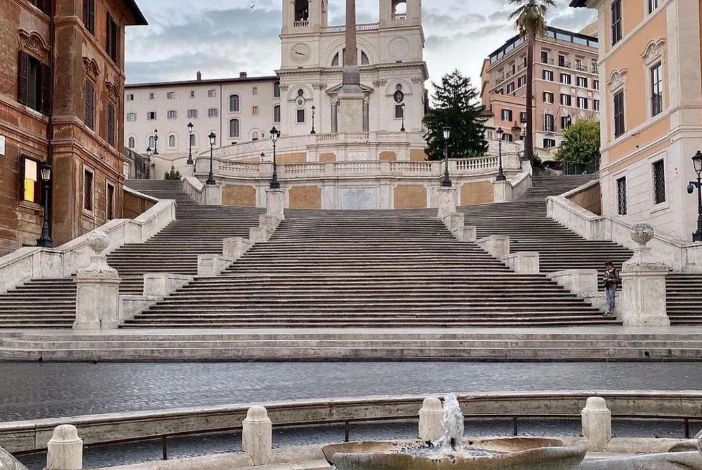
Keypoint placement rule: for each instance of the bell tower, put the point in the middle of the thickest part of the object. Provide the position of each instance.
(305, 15)
(400, 13)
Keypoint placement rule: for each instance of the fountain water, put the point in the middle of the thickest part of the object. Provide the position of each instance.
(454, 423)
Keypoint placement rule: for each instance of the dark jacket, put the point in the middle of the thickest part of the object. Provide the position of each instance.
(610, 278)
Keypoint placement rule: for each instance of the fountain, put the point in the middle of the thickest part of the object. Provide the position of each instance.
(454, 453)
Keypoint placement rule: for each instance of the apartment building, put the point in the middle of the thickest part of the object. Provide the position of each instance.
(651, 70)
(61, 102)
(566, 85)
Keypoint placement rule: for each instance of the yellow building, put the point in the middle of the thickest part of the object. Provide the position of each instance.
(651, 110)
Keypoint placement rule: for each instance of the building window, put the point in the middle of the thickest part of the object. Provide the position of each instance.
(254, 136)
(151, 116)
(152, 96)
(582, 82)
(619, 113)
(548, 97)
(254, 111)
(34, 83)
(566, 100)
(192, 93)
(43, 5)
(234, 128)
(652, 5)
(89, 118)
(110, 202)
(547, 75)
(130, 97)
(31, 185)
(171, 141)
(131, 143)
(152, 142)
(549, 143)
(254, 91)
(507, 115)
(276, 113)
(488, 134)
(112, 44)
(596, 105)
(276, 90)
(522, 117)
(566, 122)
(582, 102)
(521, 81)
(192, 114)
(89, 15)
(616, 21)
(111, 127)
(656, 90)
(510, 88)
(300, 116)
(544, 57)
(170, 95)
(621, 196)
(596, 84)
(172, 114)
(212, 112)
(561, 60)
(88, 190)
(399, 111)
(565, 78)
(211, 93)
(507, 137)
(234, 103)
(659, 182)
(549, 123)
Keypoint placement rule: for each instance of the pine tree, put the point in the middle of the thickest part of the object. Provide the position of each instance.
(173, 175)
(455, 105)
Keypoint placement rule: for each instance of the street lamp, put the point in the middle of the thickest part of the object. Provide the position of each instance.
(314, 109)
(275, 135)
(149, 154)
(500, 171)
(446, 182)
(45, 239)
(190, 144)
(210, 177)
(155, 141)
(402, 106)
(697, 164)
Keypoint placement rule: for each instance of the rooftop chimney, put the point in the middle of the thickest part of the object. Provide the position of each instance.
(199, 76)
(243, 74)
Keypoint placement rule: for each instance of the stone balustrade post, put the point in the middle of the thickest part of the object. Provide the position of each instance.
(643, 284)
(212, 265)
(467, 234)
(65, 449)
(454, 221)
(257, 435)
(431, 420)
(212, 195)
(235, 247)
(275, 203)
(97, 293)
(502, 191)
(447, 201)
(497, 245)
(596, 424)
(523, 262)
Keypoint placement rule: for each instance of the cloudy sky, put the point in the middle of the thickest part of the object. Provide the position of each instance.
(224, 37)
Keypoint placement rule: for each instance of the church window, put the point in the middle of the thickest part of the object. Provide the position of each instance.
(340, 58)
(300, 116)
(234, 103)
(364, 58)
(302, 10)
(171, 141)
(254, 136)
(234, 128)
(276, 90)
(276, 113)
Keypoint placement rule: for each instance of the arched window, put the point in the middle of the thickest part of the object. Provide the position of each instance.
(234, 103)
(254, 135)
(234, 128)
(364, 58)
(152, 142)
(302, 10)
(335, 60)
(399, 7)
(131, 143)
(276, 113)
(171, 141)
(340, 58)
(276, 90)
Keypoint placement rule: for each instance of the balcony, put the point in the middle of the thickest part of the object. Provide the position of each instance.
(581, 68)
(399, 17)
(595, 69)
(547, 61)
(564, 64)
(301, 24)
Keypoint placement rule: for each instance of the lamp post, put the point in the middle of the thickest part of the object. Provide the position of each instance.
(500, 170)
(275, 135)
(190, 144)
(402, 106)
(446, 182)
(210, 177)
(155, 141)
(45, 239)
(314, 110)
(149, 154)
(697, 164)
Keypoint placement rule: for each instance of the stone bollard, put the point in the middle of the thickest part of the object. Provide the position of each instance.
(643, 284)
(65, 449)
(431, 420)
(97, 294)
(257, 435)
(447, 201)
(597, 424)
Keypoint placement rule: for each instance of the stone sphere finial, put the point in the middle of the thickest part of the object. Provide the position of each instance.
(98, 241)
(642, 233)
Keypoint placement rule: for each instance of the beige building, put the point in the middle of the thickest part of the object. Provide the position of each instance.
(566, 86)
(650, 68)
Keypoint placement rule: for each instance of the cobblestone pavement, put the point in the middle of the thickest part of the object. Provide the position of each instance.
(33, 391)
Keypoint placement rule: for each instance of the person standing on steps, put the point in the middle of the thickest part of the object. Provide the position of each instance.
(610, 284)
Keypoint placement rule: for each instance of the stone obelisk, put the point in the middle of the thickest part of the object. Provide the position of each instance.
(351, 95)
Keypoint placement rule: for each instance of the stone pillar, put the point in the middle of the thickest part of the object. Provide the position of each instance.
(431, 420)
(643, 284)
(597, 424)
(351, 112)
(65, 449)
(212, 265)
(235, 247)
(447, 201)
(275, 203)
(502, 191)
(162, 285)
(97, 294)
(497, 245)
(523, 262)
(257, 435)
(212, 195)
(454, 221)
(467, 234)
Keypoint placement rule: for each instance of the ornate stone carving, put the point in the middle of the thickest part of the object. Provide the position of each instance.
(642, 233)
(98, 267)
(379, 83)
(617, 80)
(417, 80)
(113, 91)
(319, 86)
(33, 42)
(284, 87)
(91, 67)
(653, 51)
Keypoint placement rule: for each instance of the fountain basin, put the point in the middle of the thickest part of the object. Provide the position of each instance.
(502, 454)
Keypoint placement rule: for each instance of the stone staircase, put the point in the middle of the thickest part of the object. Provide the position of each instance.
(368, 269)
(197, 230)
(684, 298)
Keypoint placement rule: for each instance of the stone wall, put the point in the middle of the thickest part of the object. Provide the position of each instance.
(239, 196)
(387, 156)
(327, 157)
(410, 197)
(480, 192)
(589, 199)
(305, 197)
(287, 158)
(134, 205)
(417, 155)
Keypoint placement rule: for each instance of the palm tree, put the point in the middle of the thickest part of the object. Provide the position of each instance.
(530, 19)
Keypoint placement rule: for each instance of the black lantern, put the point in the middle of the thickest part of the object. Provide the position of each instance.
(190, 144)
(402, 106)
(697, 165)
(446, 182)
(314, 110)
(155, 141)
(500, 172)
(275, 135)
(45, 239)
(210, 177)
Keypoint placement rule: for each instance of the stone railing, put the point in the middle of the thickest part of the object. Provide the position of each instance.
(677, 254)
(360, 27)
(46, 263)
